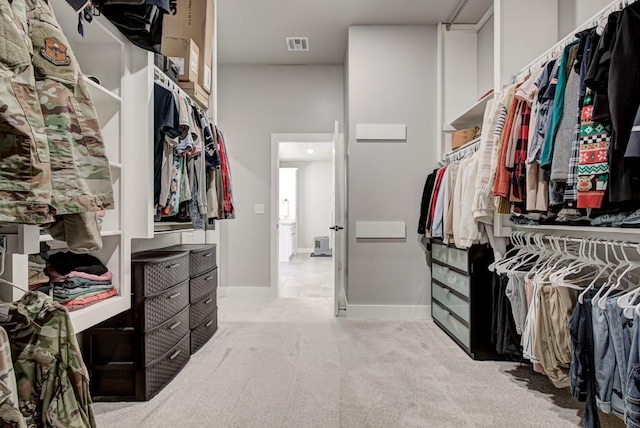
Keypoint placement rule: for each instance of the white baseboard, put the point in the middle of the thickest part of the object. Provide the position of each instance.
(246, 292)
(305, 250)
(389, 312)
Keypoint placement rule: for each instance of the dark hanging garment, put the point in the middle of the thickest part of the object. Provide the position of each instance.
(424, 206)
(624, 100)
(503, 327)
(624, 80)
(140, 23)
(597, 77)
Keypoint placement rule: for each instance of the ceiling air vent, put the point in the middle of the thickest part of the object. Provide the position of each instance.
(298, 43)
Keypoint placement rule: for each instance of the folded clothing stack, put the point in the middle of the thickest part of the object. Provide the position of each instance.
(78, 280)
(37, 277)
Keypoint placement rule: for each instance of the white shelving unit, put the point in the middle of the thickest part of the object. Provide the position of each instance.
(103, 53)
(124, 103)
(471, 117)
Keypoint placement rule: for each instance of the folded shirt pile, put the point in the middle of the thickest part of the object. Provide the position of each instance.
(78, 280)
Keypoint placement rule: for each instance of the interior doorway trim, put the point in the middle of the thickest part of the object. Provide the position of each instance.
(276, 139)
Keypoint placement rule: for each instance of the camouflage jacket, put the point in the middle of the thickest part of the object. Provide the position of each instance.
(10, 416)
(53, 382)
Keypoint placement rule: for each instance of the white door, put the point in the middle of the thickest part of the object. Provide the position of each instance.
(338, 232)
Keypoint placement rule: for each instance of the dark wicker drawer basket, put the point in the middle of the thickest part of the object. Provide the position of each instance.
(202, 257)
(203, 285)
(125, 382)
(199, 311)
(166, 336)
(205, 331)
(157, 309)
(155, 271)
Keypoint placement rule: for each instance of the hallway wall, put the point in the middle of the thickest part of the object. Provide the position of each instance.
(254, 102)
(392, 79)
(314, 200)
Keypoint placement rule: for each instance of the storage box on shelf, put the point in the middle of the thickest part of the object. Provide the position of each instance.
(195, 21)
(461, 302)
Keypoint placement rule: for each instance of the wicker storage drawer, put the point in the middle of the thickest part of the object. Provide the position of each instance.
(159, 341)
(205, 331)
(203, 285)
(155, 310)
(202, 257)
(125, 382)
(163, 372)
(200, 310)
(155, 271)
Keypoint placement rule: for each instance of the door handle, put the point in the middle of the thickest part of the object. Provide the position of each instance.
(336, 228)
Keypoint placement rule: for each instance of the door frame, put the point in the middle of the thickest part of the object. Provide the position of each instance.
(276, 139)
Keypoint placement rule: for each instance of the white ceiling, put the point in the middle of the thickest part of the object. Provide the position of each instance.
(297, 152)
(254, 31)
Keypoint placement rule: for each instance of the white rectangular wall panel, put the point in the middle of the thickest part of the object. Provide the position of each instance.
(381, 132)
(381, 230)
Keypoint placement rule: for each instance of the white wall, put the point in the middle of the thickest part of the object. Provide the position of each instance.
(314, 200)
(288, 182)
(254, 102)
(572, 13)
(392, 79)
(485, 57)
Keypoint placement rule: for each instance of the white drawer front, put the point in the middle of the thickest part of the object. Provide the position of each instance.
(452, 302)
(458, 259)
(454, 326)
(439, 253)
(456, 281)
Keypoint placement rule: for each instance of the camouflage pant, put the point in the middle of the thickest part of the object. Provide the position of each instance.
(52, 155)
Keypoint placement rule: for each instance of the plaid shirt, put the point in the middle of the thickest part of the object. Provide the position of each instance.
(518, 182)
(571, 191)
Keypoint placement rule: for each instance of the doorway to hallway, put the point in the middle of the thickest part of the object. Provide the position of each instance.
(308, 201)
(305, 205)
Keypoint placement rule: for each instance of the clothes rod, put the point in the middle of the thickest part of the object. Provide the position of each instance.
(461, 152)
(161, 77)
(556, 50)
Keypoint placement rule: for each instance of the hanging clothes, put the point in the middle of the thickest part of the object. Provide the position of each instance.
(53, 157)
(10, 415)
(53, 382)
(228, 209)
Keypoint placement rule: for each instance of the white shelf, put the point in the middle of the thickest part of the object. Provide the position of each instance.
(612, 233)
(100, 94)
(98, 32)
(48, 238)
(172, 227)
(471, 117)
(116, 165)
(87, 317)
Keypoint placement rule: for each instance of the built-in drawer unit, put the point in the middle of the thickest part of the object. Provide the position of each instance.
(461, 296)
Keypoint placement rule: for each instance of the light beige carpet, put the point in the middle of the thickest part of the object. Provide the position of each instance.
(289, 363)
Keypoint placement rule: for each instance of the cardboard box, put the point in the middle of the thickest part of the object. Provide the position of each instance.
(196, 93)
(195, 20)
(463, 136)
(185, 54)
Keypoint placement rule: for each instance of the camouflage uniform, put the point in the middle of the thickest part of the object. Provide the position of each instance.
(53, 382)
(25, 172)
(52, 155)
(80, 174)
(10, 415)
